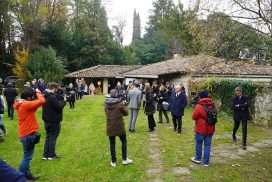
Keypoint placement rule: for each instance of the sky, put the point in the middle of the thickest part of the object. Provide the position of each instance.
(123, 10)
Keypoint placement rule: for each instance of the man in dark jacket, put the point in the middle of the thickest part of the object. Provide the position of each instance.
(10, 94)
(240, 107)
(203, 130)
(115, 111)
(177, 105)
(52, 117)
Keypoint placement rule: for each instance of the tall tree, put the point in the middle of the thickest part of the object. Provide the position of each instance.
(136, 26)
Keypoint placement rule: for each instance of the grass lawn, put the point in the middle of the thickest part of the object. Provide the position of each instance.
(83, 146)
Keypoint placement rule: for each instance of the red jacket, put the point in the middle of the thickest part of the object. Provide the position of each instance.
(200, 117)
(26, 115)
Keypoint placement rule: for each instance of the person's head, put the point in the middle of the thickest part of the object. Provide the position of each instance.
(178, 88)
(147, 87)
(238, 91)
(162, 87)
(113, 93)
(203, 94)
(71, 85)
(136, 84)
(28, 94)
(119, 84)
(53, 87)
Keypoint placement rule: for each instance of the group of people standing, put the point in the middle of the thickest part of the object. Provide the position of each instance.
(164, 98)
(173, 99)
(52, 102)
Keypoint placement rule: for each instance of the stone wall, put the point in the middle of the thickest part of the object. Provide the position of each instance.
(263, 107)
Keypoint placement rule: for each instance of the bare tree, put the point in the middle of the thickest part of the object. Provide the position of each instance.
(258, 12)
(118, 30)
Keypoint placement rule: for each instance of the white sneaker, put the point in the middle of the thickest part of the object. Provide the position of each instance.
(128, 161)
(113, 164)
(44, 158)
(50, 158)
(195, 161)
(206, 165)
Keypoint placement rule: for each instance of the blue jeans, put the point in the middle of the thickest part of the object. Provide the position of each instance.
(28, 147)
(199, 140)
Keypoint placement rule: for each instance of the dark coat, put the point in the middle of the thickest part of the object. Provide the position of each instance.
(162, 97)
(178, 104)
(240, 108)
(10, 94)
(149, 107)
(115, 110)
(53, 108)
(9, 174)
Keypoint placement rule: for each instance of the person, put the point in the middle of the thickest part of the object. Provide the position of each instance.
(120, 91)
(177, 105)
(203, 130)
(162, 97)
(71, 96)
(41, 85)
(2, 109)
(115, 111)
(52, 116)
(28, 126)
(240, 106)
(9, 174)
(134, 100)
(150, 107)
(10, 94)
(91, 89)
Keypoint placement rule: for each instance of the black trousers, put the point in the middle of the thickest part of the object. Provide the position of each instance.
(151, 122)
(237, 122)
(177, 122)
(123, 139)
(165, 115)
(52, 133)
(10, 109)
(72, 104)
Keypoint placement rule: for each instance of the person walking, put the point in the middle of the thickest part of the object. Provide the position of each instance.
(177, 105)
(203, 114)
(162, 99)
(10, 94)
(71, 96)
(52, 116)
(28, 126)
(150, 107)
(115, 110)
(2, 110)
(240, 106)
(134, 100)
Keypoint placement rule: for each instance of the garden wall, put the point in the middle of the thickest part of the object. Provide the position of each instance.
(263, 107)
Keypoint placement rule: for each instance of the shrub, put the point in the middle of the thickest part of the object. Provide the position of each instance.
(223, 90)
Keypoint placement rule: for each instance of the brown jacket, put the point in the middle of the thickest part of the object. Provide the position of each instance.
(115, 111)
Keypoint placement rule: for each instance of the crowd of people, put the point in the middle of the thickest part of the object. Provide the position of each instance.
(164, 97)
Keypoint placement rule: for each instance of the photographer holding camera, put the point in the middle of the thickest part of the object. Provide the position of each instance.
(28, 126)
(52, 117)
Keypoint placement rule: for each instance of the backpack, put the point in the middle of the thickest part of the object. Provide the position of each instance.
(2, 109)
(211, 113)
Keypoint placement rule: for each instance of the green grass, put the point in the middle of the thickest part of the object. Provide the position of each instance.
(83, 145)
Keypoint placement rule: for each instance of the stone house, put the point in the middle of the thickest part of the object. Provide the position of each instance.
(194, 68)
(107, 75)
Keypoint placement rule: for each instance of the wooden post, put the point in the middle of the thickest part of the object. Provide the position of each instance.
(105, 86)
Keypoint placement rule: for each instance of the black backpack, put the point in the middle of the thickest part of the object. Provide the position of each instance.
(2, 109)
(211, 113)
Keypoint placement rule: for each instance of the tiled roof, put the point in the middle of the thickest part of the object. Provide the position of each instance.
(102, 71)
(199, 65)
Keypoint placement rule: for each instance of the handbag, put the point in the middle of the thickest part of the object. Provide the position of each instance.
(165, 105)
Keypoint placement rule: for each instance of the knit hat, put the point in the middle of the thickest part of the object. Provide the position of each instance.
(203, 94)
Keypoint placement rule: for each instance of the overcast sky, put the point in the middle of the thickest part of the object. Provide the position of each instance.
(123, 9)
